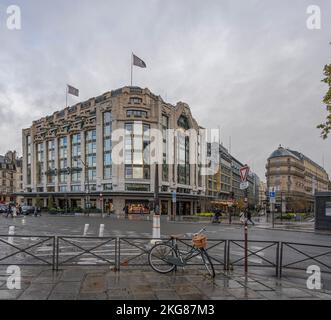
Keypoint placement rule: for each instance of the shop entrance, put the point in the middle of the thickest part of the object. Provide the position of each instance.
(184, 208)
(138, 206)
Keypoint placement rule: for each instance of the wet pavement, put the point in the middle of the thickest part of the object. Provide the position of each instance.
(102, 283)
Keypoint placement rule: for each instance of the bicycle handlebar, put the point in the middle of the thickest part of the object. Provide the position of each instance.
(202, 230)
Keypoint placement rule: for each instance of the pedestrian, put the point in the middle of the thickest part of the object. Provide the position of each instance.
(20, 209)
(35, 212)
(249, 217)
(14, 211)
(242, 217)
(141, 210)
(9, 211)
(126, 211)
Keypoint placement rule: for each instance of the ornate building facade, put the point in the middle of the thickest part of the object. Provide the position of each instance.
(295, 178)
(68, 156)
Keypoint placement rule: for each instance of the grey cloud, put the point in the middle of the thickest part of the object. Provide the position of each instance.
(250, 67)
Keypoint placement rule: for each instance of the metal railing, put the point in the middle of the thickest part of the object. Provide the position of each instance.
(86, 251)
(302, 255)
(256, 254)
(27, 250)
(57, 251)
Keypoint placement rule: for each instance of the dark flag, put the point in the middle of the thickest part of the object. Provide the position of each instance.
(138, 62)
(73, 91)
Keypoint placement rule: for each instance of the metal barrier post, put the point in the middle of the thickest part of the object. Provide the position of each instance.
(277, 260)
(57, 253)
(225, 254)
(281, 259)
(118, 239)
(246, 246)
(228, 256)
(54, 253)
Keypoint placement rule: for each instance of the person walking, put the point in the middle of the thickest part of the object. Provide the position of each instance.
(14, 211)
(249, 217)
(126, 211)
(142, 210)
(9, 211)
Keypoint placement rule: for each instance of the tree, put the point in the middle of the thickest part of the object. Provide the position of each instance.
(326, 127)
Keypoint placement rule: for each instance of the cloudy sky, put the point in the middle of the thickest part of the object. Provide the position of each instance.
(251, 67)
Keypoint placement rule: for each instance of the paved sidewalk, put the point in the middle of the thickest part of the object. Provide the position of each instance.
(190, 284)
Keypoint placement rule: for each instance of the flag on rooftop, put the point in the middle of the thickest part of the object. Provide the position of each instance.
(73, 91)
(138, 62)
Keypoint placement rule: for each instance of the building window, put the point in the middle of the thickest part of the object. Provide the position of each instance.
(137, 141)
(28, 153)
(76, 158)
(63, 188)
(136, 113)
(107, 187)
(91, 153)
(40, 163)
(183, 167)
(75, 188)
(165, 166)
(135, 100)
(107, 145)
(50, 160)
(137, 187)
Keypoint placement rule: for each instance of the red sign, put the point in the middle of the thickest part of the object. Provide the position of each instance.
(244, 173)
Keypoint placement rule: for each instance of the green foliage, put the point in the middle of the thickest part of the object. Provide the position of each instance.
(204, 214)
(326, 126)
(39, 202)
(51, 203)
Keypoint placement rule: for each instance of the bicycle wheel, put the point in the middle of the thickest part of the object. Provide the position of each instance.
(208, 264)
(161, 256)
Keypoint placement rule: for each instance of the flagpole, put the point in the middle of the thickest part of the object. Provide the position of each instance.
(66, 96)
(131, 67)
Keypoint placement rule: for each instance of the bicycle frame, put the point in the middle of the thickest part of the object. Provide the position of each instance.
(184, 256)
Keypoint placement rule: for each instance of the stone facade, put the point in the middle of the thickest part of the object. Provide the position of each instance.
(10, 177)
(295, 178)
(67, 157)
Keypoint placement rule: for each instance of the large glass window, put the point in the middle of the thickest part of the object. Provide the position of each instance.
(50, 161)
(165, 166)
(137, 141)
(91, 153)
(183, 147)
(28, 143)
(76, 165)
(107, 145)
(40, 163)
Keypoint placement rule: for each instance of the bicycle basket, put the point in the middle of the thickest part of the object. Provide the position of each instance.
(199, 241)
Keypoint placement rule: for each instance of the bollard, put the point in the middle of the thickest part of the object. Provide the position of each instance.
(101, 229)
(85, 229)
(11, 232)
(156, 229)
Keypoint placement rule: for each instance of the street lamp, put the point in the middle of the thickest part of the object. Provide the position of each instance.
(87, 199)
(101, 202)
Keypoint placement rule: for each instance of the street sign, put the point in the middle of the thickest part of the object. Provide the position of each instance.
(244, 173)
(244, 185)
(272, 200)
(272, 194)
(174, 195)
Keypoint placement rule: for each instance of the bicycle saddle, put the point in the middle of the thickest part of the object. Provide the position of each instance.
(176, 236)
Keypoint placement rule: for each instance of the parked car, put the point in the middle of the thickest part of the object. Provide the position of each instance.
(26, 210)
(3, 208)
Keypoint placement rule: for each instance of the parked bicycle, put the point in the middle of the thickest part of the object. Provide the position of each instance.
(165, 257)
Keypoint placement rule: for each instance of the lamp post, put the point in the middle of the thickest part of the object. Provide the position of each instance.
(101, 203)
(87, 199)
